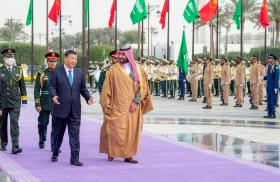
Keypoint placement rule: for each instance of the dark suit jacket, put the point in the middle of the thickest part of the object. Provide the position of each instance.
(69, 97)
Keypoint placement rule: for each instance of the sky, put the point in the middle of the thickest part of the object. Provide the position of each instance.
(99, 16)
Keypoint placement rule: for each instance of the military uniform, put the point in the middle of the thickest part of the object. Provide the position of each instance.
(173, 73)
(272, 86)
(194, 71)
(217, 79)
(254, 85)
(225, 81)
(200, 78)
(164, 79)
(232, 79)
(208, 77)
(13, 93)
(240, 81)
(91, 70)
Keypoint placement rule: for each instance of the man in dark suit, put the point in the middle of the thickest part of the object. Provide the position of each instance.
(65, 87)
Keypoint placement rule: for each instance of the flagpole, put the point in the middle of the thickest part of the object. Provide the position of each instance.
(168, 28)
(241, 34)
(116, 26)
(47, 26)
(60, 34)
(192, 40)
(88, 23)
(148, 29)
(265, 46)
(84, 57)
(142, 38)
(217, 32)
(32, 45)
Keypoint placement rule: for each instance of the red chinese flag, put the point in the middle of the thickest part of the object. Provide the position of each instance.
(208, 11)
(55, 11)
(165, 9)
(112, 14)
(264, 20)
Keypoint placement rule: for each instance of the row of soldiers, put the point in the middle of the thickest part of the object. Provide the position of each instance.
(221, 76)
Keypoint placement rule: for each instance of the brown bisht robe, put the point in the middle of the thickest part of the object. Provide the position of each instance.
(120, 133)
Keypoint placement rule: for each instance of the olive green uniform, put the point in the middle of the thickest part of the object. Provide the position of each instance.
(13, 91)
(43, 101)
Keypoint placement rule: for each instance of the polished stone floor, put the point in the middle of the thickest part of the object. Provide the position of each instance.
(4, 177)
(267, 154)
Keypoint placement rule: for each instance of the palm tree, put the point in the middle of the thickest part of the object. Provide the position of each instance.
(225, 21)
(13, 31)
(274, 10)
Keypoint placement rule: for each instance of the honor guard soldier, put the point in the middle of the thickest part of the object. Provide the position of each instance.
(254, 82)
(42, 100)
(164, 78)
(225, 80)
(272, 85)
(217, 77)
(194, 71)
(13, 94)
(240, 80)
(173, 73)
(208, 77)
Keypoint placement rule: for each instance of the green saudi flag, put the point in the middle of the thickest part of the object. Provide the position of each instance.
(139, 11)
(182, 61)
(191, 12)
(237, 15)
(87, 11)
(30, 14)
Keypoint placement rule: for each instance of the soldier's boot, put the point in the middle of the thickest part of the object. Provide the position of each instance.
(16, 150)
(3, 147)
(207, 107)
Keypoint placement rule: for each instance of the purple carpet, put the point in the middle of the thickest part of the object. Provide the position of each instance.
(161, 160)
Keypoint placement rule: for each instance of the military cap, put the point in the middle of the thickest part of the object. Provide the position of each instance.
(51, 55)
(8, 51)
(238, 58)
(208, 57)
(270, 55)
(254, 57)
(224, 58)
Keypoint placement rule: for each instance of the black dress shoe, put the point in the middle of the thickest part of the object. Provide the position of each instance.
(130, 160)
(41, 145)
(110, 158)
(76, 163)
(224, 104)
(3, 148)
(268, 117)
(54, 158)
(16, 150)
(192, 100)
(207, 107)
(273, 117)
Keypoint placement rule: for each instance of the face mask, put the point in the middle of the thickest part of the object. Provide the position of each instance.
(10, 61)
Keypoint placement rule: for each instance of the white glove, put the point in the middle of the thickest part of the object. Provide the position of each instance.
(210, 86)
(0, 113)
(276, 90)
